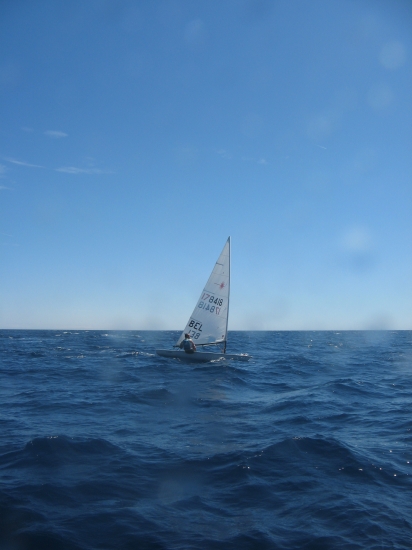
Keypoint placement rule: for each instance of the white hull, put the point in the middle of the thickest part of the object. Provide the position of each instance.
(200, 356)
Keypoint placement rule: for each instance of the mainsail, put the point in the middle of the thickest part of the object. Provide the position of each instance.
(208, 322)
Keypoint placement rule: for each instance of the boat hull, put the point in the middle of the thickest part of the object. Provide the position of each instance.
(201, 356)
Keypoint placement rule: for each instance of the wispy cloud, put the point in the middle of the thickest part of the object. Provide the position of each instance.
(27, 129)
(74, 170)
(393, 55)
(357, 239)
(23, 163)
(6, 241)
(260, 160)
(194, 32)
(55, 134)
(224, 154)
(65, 169)
(358, 247)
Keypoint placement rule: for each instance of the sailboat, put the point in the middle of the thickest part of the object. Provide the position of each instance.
(207, 326)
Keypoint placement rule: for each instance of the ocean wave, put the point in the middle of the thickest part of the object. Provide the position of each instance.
(105, 445)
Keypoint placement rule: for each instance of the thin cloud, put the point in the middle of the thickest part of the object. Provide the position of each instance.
(6, 241)
(357, 239)
(392, 55)
(194, 32)
(23, 163)
(55, 134)
(260, 160)
(224, 154)
(76, 171)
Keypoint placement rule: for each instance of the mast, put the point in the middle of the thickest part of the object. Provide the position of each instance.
(228, 300)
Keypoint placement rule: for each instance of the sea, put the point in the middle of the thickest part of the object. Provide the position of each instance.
(105, 445)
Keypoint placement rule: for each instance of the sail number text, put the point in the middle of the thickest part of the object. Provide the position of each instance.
(194, 326)
(208, 302)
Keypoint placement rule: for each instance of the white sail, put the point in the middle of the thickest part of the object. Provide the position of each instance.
(208, 322)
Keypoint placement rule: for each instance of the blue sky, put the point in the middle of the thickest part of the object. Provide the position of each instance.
(136, 136)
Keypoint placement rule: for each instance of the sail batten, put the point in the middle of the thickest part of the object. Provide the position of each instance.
(208, 322)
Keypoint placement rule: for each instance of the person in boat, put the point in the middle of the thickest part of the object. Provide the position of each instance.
(187, 344)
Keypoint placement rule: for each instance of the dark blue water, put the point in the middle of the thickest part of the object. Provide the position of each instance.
(104, 445)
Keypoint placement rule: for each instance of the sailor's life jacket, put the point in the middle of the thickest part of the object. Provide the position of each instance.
(188, 345)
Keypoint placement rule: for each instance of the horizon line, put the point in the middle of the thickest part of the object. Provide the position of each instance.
(232, 330)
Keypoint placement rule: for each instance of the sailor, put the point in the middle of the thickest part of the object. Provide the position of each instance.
(187, 344)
